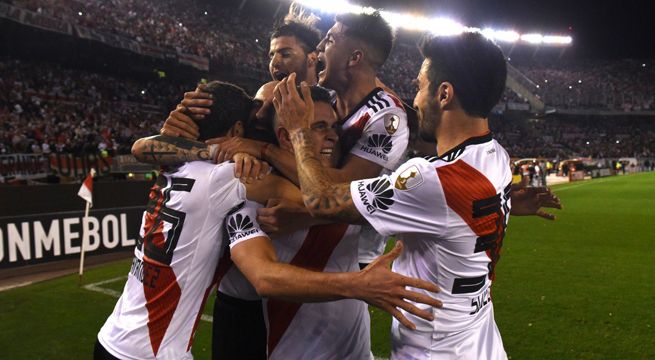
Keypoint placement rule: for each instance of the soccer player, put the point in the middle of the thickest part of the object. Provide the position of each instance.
(182, 238)
(451, 210)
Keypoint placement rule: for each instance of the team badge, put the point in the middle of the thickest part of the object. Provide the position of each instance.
(409, 179)
(391, 123)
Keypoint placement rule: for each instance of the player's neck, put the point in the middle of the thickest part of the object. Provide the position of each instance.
(359, 87)
(454, 130)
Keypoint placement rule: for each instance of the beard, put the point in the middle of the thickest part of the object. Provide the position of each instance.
(426, 127)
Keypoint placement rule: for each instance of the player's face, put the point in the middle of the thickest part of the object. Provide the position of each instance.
(287, 56)
(324, 133)
(265, 96)
(426, 106)
(333, 53)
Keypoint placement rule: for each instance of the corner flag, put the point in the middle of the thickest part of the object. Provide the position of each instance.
(86, 190)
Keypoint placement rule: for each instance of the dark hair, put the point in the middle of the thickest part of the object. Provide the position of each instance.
(307, 35)
(473, 64)
(231, 104)
(373, 31)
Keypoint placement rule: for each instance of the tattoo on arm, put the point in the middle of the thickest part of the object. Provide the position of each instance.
(323, 198)
(168, 150)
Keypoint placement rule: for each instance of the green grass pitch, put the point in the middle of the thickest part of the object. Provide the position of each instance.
(581, 287)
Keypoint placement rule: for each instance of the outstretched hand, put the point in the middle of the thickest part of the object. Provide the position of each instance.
(528, 201)
(294, 112)
(387, 290)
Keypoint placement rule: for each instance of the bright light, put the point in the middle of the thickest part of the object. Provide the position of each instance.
(509, 59)
(79, 13)
(437, 26)
(579, 81)
(532, 38)
(499, 35)
(537, 86)
(546, 81)
(143, 92)
(205, 13)
(587, 142)
(617, 141)
(570, 87)
(557, 40)
(257, 40)
(643, 65)
(180, 24)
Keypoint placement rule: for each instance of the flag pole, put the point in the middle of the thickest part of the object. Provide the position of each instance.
(86, 193)
(85, 225)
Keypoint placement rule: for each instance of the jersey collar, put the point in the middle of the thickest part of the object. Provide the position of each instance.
(455, 152)
(359, 105)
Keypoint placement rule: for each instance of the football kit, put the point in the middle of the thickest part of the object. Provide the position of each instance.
(175, 263)
(451, 213)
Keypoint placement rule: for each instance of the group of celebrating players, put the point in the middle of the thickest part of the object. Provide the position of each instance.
(289, 249)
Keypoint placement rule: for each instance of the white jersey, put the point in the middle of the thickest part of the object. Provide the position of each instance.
(175, 263)
(377, 131)
(329, 330)
(451, 213)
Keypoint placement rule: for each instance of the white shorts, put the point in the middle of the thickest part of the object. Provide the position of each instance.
(482, 342)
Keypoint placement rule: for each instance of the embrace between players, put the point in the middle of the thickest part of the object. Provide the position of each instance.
(337, 157)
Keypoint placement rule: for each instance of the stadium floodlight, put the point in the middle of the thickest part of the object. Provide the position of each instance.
(438, 26)
(501, 35)
(557, 40)
(532, 38)
(446, 27)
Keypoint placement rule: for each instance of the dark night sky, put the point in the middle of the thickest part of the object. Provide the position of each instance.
(600, 29)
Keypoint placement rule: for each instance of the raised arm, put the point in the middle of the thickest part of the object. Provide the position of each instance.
(321, 195)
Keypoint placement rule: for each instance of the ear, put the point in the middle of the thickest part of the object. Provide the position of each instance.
(356, 57)
(445, 95)
(312, 59)
(283, 138)
(237, 130)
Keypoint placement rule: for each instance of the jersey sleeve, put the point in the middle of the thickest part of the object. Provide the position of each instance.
(384, 139)
(241, 223)
(410, 200)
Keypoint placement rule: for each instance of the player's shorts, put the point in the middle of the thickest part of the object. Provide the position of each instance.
(483, 342)
(100, 353)
(238, 330)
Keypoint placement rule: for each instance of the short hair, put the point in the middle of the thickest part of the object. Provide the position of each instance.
(473, 64)
(300, 24)
(232, 104)
(373, 31)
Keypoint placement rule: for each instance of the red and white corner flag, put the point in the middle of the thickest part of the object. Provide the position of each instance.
(86, 190)
(86, 193)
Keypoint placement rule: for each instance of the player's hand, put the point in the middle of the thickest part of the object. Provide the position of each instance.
(281, 216)
(386, 290)
(295, 113)
(527, 201)
(198, 102)
(224, 148)
(180, 124)
(248, 168)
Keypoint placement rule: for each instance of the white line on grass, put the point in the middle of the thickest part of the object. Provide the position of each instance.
(9, 287)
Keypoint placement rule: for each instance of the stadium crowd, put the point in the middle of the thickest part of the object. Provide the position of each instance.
(240, 43)
(46, 108)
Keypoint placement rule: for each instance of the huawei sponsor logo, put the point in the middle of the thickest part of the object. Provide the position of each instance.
(239, 226)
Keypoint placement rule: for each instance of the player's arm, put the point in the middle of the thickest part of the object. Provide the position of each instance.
(321, 196)
(376, 284)
(354, 167)
(169, 150)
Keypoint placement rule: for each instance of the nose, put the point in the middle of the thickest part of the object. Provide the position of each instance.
(332, 134)
(321, 46)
